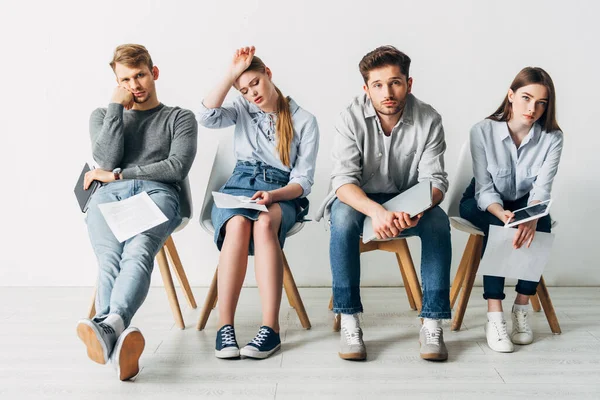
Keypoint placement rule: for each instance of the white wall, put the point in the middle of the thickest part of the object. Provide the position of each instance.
(55, 71)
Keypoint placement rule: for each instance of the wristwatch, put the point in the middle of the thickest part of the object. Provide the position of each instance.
(117, 173)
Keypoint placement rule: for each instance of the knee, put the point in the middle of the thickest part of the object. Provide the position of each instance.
(345, 218)
(265, 224)
(436, 220)
(238, 225)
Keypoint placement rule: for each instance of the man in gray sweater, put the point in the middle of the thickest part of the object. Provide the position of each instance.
(140, 145)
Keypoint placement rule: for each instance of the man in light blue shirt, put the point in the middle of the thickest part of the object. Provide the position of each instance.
(387, 141)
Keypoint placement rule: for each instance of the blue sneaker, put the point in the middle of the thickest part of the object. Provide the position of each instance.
(265, 343)
(227, 346)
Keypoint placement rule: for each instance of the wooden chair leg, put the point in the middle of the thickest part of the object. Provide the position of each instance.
(216, 300)
(173, 256)
(331, 303)
(411, 275)
(92, 309)
(163, 265)
(535, 303)
(292, 290)
(209, 303)
(468, 284)
(290, 296)
(337, 322)
(462, 270)
(542, 292)
(411, 300)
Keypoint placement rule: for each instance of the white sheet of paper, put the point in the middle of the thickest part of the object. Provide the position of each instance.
(127, 218)
(502, 259)
(224, 200)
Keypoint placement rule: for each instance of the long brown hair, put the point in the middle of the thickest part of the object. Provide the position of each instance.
(529, 76)
(284, 129)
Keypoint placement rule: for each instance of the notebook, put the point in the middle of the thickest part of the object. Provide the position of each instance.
(412, 201)
(84, 196)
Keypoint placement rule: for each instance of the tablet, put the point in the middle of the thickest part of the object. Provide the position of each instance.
(529, 213)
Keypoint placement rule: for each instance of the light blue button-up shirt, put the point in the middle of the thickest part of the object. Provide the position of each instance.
(255, 139)
(503, 172)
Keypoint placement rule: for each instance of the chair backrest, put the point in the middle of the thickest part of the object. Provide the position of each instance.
(222, 167)
(463, 177)
(185, 203)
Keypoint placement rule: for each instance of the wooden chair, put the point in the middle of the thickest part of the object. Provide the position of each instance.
(169, 251)
(399, 247)
(467, 269)
(223, 165)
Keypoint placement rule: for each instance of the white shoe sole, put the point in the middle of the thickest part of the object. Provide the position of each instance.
(228, 352)
(252, 352)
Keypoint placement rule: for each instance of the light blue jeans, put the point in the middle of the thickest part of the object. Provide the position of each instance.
(125, 268)
(344, 253)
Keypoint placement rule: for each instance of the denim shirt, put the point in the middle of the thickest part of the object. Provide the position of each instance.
(503, 172)
(416, 152)
(255, 138)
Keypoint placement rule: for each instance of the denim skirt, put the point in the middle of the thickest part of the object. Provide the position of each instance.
(248, 178)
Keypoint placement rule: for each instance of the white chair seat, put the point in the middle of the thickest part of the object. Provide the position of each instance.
(465, 226)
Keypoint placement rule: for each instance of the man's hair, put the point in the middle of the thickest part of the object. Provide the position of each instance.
(382, 57)
(131, 55)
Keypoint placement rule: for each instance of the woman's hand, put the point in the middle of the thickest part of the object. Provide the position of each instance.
(525, 234)
(241, 61)
(264, 198)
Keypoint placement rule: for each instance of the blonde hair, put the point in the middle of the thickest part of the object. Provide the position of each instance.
(284, 129)
(131, 55)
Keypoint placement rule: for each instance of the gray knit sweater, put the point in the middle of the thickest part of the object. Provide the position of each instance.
(157, 144)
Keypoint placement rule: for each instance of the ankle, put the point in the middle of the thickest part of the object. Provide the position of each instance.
(116, 322)
(520, 307)
(350, 321)
(495, 316)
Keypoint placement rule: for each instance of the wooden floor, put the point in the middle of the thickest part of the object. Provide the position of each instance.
(41, 357)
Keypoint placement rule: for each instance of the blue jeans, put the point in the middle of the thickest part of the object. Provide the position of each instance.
(493, 286)
(344, 254)
(125, 268)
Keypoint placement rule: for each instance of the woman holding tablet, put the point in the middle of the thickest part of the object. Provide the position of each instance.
(276, 144)
(516, 152)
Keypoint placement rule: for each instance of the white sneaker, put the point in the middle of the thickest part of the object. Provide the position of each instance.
(497, 337)
(521, 332)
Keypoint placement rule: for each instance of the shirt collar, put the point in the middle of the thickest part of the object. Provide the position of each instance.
(532, 136)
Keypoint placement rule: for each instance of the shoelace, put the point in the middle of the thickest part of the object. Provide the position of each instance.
(501, 330)
(260, 337)
(107, 329)
(352, 337)
(433, 337)
(228, 336)
(522, 324)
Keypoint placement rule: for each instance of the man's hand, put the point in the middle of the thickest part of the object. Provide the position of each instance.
(122, 96)
(97, 175)
(525, 233)
(404, 221)
(264, 198)
(383, 224)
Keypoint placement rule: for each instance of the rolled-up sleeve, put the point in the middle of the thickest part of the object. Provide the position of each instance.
(542, 186)
(220, 117)
(485, 194)
(431, 165)
(303, 172)
(346, 155)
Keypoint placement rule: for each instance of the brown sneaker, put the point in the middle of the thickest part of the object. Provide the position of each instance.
(128, 350)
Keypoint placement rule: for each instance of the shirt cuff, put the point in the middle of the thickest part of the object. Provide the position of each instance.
(487, 199)
(538, 195)
(340, 181)
(304, 183)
